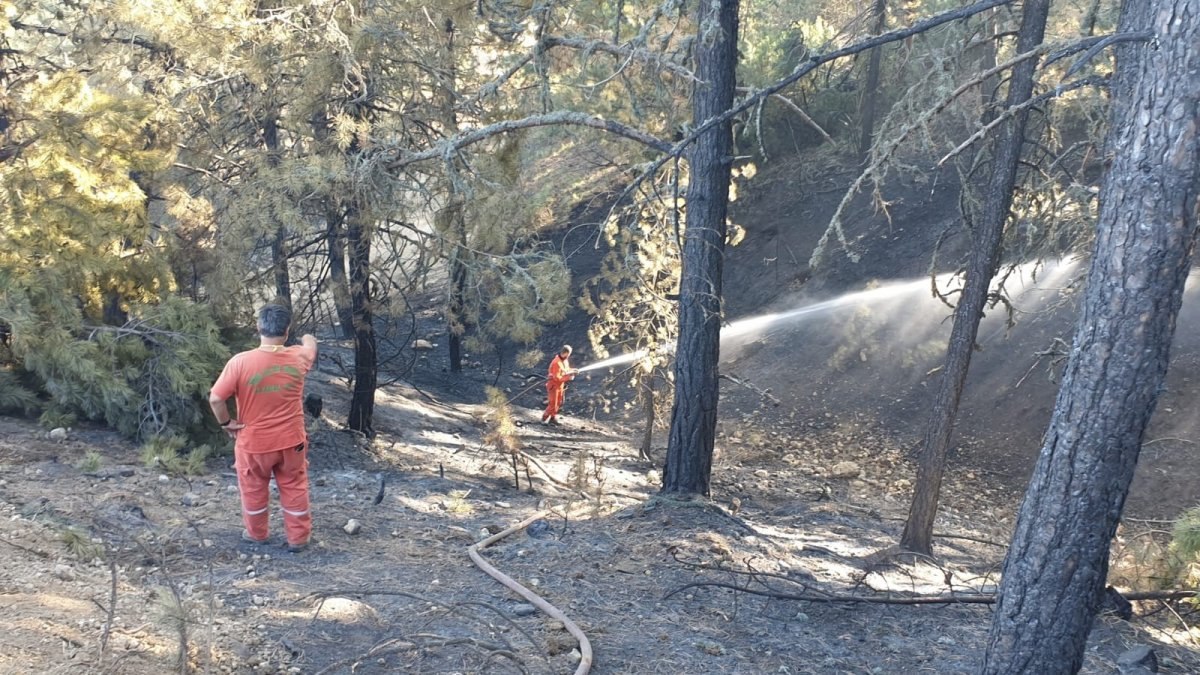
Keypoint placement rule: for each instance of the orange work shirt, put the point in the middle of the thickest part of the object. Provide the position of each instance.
(268, 387)
(557, 376)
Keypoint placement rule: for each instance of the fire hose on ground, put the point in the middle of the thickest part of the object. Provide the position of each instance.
(585, 647)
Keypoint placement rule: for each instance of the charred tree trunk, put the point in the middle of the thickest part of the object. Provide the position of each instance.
(335, 242)
(1057, 564)
(1088, 27)
(455, 316)
(648, 406)
(279, 252)
(870, 100)
(989, 89)
(366, 361)
(984, 258)
(456, 226)
(694, 417)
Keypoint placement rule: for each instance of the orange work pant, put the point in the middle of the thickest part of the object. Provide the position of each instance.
(556, 393)
(290, 468)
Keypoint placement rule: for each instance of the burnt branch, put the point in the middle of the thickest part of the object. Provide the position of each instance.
(880, 599)
(563, 118)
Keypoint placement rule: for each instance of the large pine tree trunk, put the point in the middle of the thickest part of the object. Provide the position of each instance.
(1058, 561)
(870, 100)
(694, 417)
(366, 361)
(984, 258)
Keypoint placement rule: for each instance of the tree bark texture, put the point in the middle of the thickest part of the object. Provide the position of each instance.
(694, 416)
(1058, 560)
(981, 267)
(366, 359)
(870, 101)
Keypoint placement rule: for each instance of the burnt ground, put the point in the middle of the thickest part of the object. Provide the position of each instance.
(121, 567)
(156, 561)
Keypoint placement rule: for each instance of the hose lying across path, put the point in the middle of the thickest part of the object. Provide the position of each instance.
(585, 647)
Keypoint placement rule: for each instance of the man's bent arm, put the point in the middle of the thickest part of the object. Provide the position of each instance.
(220, 408)
(310, 343)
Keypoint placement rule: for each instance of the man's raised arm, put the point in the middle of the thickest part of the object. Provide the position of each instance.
(310, 345)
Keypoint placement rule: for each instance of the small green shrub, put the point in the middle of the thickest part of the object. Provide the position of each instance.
(56, 417)
(165, 453)
(162, 452)
(1184, 551)
(90, 463)
(14, 396)
(456, 502)
(80, 545)
(196, 460)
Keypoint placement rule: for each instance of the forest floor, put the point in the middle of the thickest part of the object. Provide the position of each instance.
(121, 568)
(118, 569)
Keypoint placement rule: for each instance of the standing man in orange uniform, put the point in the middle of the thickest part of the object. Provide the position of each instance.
(556, 382)
(268, 432)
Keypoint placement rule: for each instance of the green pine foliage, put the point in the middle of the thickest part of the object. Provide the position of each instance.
(90, 462)
(146, 377)
(85, 288)
(14, 396)
(631, 300)
(80, 545)
(1184, 550)
(55, 417)
(502, 428)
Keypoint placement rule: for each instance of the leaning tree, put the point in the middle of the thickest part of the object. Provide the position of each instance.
(987, 237)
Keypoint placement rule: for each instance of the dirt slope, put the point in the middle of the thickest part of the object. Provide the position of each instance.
(402, 596)
(879, 359)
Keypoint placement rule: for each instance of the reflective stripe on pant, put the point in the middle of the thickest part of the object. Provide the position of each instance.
(555, 394)
(290, 468)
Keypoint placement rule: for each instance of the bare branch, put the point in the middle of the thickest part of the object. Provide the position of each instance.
(1101, 43)
(1041, 98)
(893, 144)
(803, 115)
(562, 118)
(765, 393)
(492, 87)
(881, 599)
(800, 71)
(818, 60)
(643, 55)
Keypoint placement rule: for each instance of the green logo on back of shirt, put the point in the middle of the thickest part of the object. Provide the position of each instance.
(296, 377)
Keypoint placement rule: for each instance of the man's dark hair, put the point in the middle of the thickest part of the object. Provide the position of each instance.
(274, 320)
